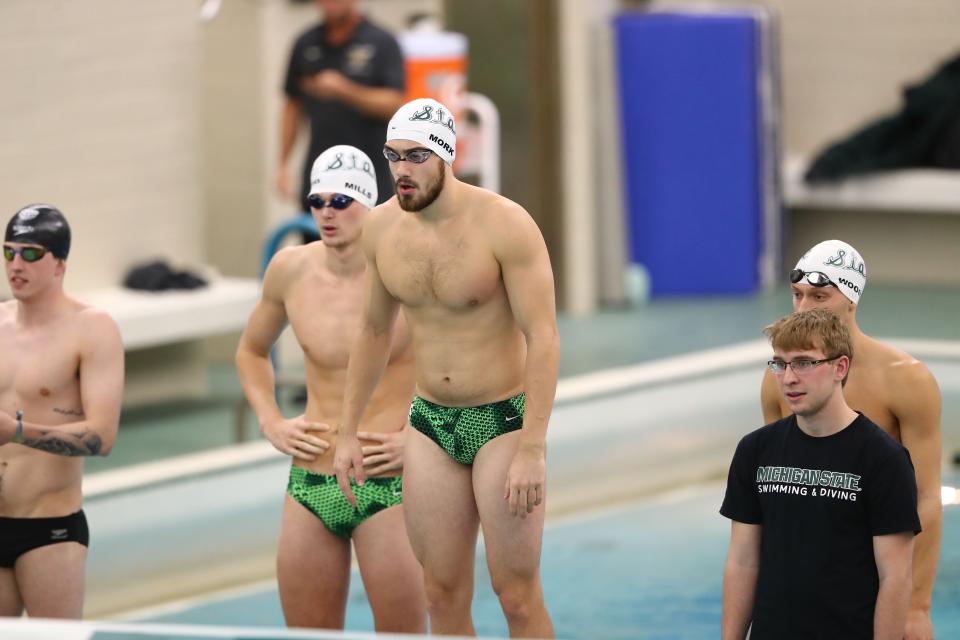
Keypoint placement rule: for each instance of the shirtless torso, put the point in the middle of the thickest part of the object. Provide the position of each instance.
(468, 347)
(324, 313)
(63, 369)
(40, 375)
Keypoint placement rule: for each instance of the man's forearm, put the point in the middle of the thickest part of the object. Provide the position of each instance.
(258, 384)
(890, 615)
(739, 588)
(74, 439)
(374, 102)
(368, 359)
(289, 124)
(926, 551)
(540, 386)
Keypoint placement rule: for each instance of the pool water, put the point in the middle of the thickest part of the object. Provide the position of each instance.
(647, 570)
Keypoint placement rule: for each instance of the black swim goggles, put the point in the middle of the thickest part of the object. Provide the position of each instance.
(338, 202)
(418, 155)
(29, 254)
(814, 278)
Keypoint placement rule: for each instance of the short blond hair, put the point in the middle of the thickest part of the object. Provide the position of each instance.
(812, 329)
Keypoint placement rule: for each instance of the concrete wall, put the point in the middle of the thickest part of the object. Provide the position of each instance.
(99, 116)
(156, 135)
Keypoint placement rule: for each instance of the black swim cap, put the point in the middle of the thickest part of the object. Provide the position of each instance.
(41, 224)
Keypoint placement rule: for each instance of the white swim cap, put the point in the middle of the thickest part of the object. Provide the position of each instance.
(839, 262)
(347, 170)
(428, 122)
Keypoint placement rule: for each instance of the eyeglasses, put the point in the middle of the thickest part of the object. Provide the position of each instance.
(814, 278)
(799, 366)
(416, 156)
(29, 254)
(338, 202)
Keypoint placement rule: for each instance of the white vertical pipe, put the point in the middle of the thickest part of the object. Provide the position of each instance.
(612, 243)
(579, 216)
(488, 139)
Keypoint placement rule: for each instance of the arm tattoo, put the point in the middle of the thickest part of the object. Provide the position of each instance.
(69, 412)
(67, 444)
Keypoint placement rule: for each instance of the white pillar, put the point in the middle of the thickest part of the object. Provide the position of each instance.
(579, 215)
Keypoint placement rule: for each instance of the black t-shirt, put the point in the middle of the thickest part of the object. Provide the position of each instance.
(370, 57)
(819, 501)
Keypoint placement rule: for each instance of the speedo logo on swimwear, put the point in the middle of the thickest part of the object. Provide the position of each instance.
(443, 143)
(849, 284)
(58, 534)
(19, 229)
(358, 189)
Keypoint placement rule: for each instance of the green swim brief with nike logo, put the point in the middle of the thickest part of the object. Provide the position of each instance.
(462, 431)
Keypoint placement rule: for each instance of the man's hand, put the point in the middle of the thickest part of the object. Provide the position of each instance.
(294, 438)
(525, 480)
(326, 85)
(348, 457)
(386, 455)
(919, 626)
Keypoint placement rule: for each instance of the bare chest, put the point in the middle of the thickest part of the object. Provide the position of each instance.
(325, 317)
(454, 270)
(39, 367)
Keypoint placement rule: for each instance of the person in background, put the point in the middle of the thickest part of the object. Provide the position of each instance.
(347, 77)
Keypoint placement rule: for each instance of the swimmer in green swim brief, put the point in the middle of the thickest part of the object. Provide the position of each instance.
(318, 289)
(468, 271)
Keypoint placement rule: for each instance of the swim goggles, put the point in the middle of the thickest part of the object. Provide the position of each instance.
(814, 278)
(29, 254)
(338, 202)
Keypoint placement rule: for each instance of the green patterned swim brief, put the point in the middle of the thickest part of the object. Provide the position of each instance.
(461, 431)
(320, 494)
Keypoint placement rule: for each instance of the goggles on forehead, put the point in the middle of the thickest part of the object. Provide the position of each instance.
(338, 202)
(29, 254)
(814, 278)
